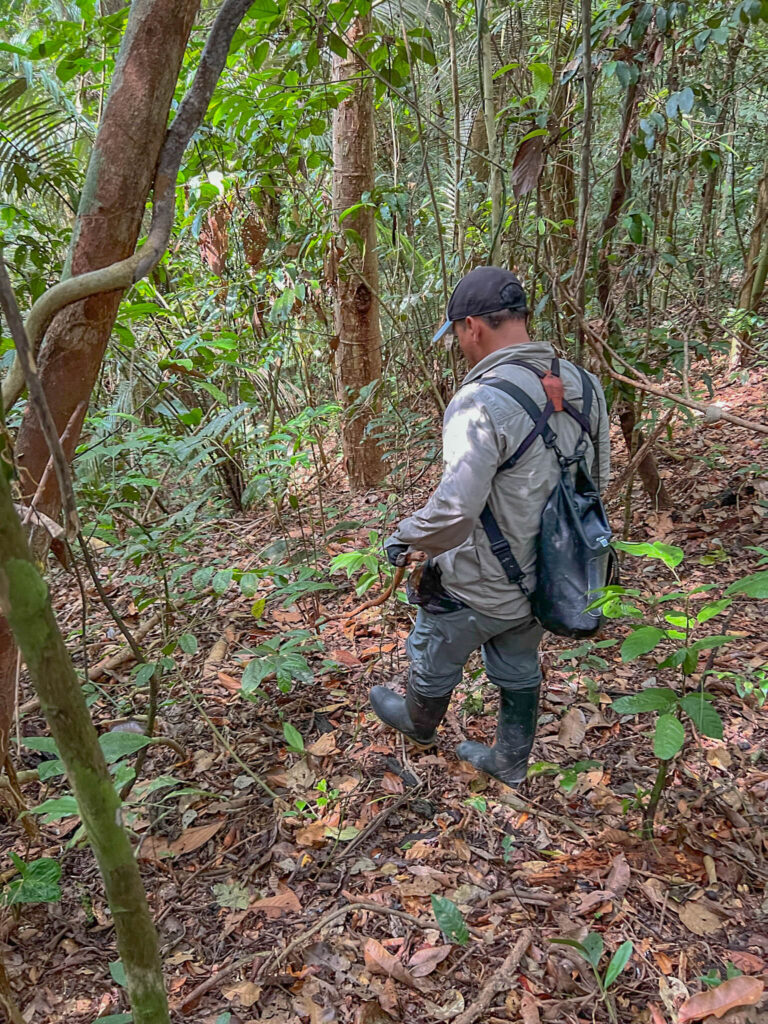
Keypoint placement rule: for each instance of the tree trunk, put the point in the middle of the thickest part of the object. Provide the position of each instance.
(358, 352)
(25, 601)
(755, 266)
(489, 116)
(118, 180)
(647, 470)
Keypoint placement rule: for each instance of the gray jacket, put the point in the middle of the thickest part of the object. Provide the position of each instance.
(482, 427)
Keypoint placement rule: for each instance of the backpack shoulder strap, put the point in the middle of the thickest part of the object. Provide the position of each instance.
(540, 417)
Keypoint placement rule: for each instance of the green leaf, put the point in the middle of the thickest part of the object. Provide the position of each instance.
(249, 584)
(143, 673)
(115, 745)
(669, 737)
(670, 555)
(115, 1018)
(707, 643)
(188, 643)
(202, 578)
(709, 611)
(117, 972)
(262, 9)
(293, 737)
(255, 671)
(593, 948)
(542, 80)
(655, 698)
(686, 100)
(45, 744)
(50, 770)
(450, 920)
(703, 715)
(755, 585)
(619, 961)
(39, 884)
(640, 642)
(54, 810)
(221, 580)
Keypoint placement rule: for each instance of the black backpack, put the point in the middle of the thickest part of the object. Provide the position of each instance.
(574, 556)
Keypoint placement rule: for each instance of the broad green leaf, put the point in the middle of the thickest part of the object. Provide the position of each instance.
(143, 673)
(669, 737)
(593, 948)
(293, 737)
(261, 9)
(450, 920)
(257, 608)
(39, 884)
(703, 715)
(221, 580)
(188, 643)
(755, 585)
(709, 611)
(249, 584)
(45, 744)
(255, 671)
(202, 578)
(686, 100)
(115, 745)
(707, 643)
(640, 642)
(50, 770)
(55, 809)
(619, 961)
(655, 698)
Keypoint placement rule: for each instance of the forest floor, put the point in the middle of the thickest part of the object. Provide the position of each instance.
(314, 904)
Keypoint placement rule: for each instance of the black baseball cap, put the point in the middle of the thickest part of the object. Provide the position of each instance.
(483, 290)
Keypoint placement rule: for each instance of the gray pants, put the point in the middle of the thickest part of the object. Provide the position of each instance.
(439, 646)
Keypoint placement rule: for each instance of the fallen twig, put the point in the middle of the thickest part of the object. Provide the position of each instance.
(501, 979)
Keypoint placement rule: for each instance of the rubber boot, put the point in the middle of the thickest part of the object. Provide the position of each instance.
(507, 759)
(415, 716)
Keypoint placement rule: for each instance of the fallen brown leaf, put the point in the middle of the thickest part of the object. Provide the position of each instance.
(312, 834)
(618, 878)
(529, 1009)
(379, 961)
(698, 919)
(324, 746)
(285, 902)
(424, 961)
(747, 962)
(346, 658)
(718, 1001)
(573, 727)
(244, 993)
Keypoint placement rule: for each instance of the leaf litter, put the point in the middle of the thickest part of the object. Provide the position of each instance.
(317, 906)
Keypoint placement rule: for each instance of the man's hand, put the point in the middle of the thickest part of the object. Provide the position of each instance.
(400, 556)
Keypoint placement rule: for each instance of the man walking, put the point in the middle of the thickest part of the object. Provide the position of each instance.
(465, 597)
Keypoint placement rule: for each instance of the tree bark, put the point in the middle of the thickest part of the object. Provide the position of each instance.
(358, 351)
(485, 56)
